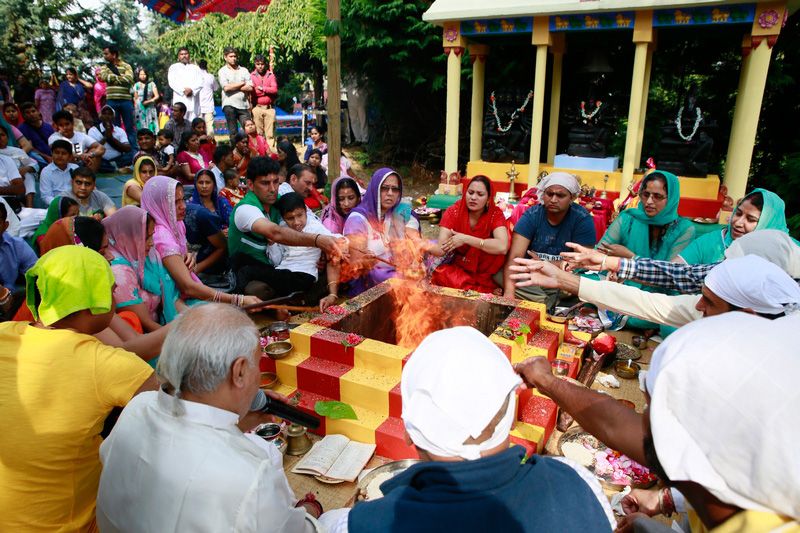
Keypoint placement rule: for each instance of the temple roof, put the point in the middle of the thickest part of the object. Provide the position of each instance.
(452, 10)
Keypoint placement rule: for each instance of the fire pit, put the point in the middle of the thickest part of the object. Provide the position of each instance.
(355, 353)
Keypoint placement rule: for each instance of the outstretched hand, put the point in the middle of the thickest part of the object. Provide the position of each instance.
(530, 272)
(583, 257)
(334, 247)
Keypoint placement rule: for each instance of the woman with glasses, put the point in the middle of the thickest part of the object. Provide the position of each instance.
(377, 230)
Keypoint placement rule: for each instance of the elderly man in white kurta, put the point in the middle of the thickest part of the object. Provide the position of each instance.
(185, 79)
(177, 459)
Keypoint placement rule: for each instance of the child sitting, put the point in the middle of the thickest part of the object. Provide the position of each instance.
(233, 192)
(166, 151)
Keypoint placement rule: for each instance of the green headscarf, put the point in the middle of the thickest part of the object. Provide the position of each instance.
(711, 247)
(68, 279)
(56, 210)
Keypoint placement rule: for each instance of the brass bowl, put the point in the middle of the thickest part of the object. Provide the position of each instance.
(278, 350)
(269, 380)
(626, 351)
(268, 431)
(627, 370)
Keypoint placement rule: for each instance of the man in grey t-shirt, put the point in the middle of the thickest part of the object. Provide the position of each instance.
(91, 202)
(236, 88)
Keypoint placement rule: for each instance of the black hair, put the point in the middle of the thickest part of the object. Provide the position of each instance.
(63, 114)
(64, 203)
(182, 48)
(180, 105)
(222, 151)
(299, 168)
(755, 198)
(230, 174)
(62, 144)
(260, 57)
(3, 212)
(90, 231)
(83, 171)
(319, 127)
(655, 176)
(289, 202)
(206, 172)
(144, 132)
(183, 144)
(344, 183)
(71, 70)
(8, 105)
(480, 178)
(27, 105)
(229, 50)
(112, 49)
(198, 120)
(291, 153)
(203, 64)
(167, 134)
(262, 166)
(239, 137)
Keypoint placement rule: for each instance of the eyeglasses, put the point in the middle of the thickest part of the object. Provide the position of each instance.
(389, 188)
(644, 195)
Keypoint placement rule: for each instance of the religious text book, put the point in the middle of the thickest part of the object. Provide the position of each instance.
(335, 457)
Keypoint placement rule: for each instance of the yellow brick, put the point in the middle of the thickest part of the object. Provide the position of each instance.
(528, 351)
(552, 326)
(536, 306)
(582, 335)
(301, 336)
(361, 430)
(287, 367)
(380, 357)
(286, 390)
(367, 389)
(529, 432)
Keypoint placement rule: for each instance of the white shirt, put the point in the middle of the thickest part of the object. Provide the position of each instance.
(179, 77)
(8, 171)
(118, 133)
(228, 76)
(299, 258)
(20, 157)
(80, 141)
(207, 90)
(193, 472)
(55, 182)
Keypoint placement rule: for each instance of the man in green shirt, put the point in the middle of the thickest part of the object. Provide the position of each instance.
(254, 225)
(118, 76)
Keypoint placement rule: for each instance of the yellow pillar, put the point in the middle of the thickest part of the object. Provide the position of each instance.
(645, 93)
(541, 39)
(642, 36)
(477, 54)
(558, 49)
(454, 45)
(756, 52)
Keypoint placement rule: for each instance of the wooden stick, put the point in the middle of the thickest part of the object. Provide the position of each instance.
(293, 307)
(373, 256)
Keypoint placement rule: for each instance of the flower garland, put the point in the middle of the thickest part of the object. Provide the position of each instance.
(591, 115)
(514, 115)
(697, 120)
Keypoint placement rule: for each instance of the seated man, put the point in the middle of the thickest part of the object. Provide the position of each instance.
(297, 265)
(16, 258)
(223, 161)
(85, 150)
(750, 284)
(543, 231)
(12, 187)
(26, 167)
(37, 131)
(470, 480)
(177, 458)
(91, 202)
(302, 180)
(114, 140)
(56, 178)
(59, 384)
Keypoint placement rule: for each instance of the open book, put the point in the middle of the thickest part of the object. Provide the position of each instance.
(335, 457)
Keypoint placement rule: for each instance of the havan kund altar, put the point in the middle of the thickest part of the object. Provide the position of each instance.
(393, 318)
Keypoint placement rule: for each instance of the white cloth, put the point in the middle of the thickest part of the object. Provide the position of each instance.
(20, 157)
(245, 216)
(208, 88)
(179, 77)
(725, 416)
(229, 76)
(441, 406)
(8, 171)
(55, 181)
(11, 218)
(568, 181)
(81, 142)
(191, 472)
(751, 282)
(299, 258)
(773, 245)
(98, 134)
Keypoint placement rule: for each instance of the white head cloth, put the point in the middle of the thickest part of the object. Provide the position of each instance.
(773, 245)
(754, 283)
(568, 181)
(725, 416)
(453, 385)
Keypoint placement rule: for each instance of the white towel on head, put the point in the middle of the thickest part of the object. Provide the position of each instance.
(725, 409)
(773, 245)
(568, 181)
(751, 282)
(453, 385)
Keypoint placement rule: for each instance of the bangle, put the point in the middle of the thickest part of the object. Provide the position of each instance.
(481, 244)
(315, 239)
(603, 264)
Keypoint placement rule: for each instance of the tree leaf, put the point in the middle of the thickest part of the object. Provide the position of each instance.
(335, 410)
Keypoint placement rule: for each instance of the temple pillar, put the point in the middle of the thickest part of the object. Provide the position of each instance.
(454, 45)
(542, 40)
(645, 93)
(642, 37)
(756, 54)
(477, 54)
(558, 49)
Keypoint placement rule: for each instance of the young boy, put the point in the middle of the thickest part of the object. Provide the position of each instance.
(26, 170)
(208, 144)
(85, 150)
(166, 151)
(296, 266)
(56, 178)
(147, 146)
(16, 257)
(91, 202)
(233, 191)
(73, 110)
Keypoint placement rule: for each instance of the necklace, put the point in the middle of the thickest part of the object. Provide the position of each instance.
(697, 120)
(591, 115)
(514, 115)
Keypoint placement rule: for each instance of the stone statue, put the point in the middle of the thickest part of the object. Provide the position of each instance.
(685, 146)
(589, 119)
(507, 126)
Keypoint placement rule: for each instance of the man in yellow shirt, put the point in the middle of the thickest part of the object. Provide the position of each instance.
(57, 386)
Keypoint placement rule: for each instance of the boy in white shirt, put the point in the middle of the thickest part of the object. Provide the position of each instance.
(26, 166)
(296, 266)
(85, 150)
(56, 178)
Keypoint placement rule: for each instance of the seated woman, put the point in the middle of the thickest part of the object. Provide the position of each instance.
(474, 235)
(207, 142)
(257, 143)
(163, 199)
(287, 157)
(345, 196)
(318, 143)
(241, 153)
(315, 162)
(375, 226)
(652, 229)
(759, 210)
(60, 207)
(206, 223)
(189, 160)
(143, 169)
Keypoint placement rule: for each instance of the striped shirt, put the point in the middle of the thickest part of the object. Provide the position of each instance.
(118, 86)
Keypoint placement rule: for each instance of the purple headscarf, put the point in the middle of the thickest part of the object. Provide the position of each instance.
(158, 199)
(331, 216)
(370, 206)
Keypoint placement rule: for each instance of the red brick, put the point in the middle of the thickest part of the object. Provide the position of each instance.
(307, 402)
(531, 447)
(538, 411)
(547, 340)
(267, 364)
(329, 344)
(395, 403)
(390, 440)
(321, 376)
